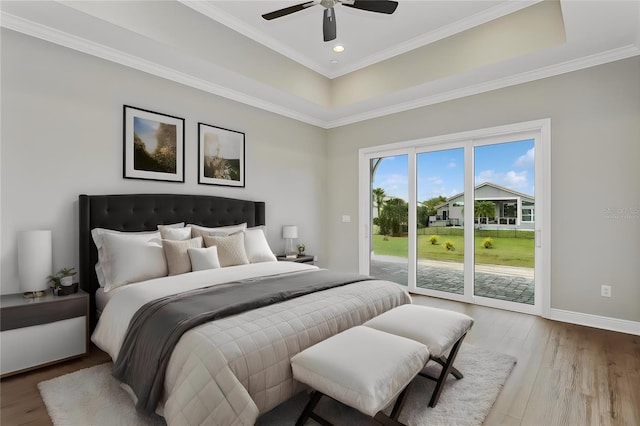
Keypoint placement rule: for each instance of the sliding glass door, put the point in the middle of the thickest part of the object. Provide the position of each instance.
(460, 218)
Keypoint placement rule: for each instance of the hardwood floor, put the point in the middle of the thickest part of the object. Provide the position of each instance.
(566, 374)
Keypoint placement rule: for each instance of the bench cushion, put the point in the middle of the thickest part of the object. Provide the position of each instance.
(361, 367)
(438, 329)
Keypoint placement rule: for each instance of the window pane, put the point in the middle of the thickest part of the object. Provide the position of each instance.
(440, 214)
(390, 217)
(504, 246)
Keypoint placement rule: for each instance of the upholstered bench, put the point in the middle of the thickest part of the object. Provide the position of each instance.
(361, 367)
(440, 330)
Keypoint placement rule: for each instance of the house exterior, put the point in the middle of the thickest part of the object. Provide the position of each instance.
(513, 209)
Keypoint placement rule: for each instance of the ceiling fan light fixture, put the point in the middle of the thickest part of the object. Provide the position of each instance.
(329, 15)
(338, 48)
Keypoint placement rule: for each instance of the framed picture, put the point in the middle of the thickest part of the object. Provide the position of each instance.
(153, 145)
(220, 156)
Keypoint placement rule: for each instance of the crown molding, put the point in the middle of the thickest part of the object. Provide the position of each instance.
(209, 10)
(525, 77)
(215, 13)
(52, 35)
(462, 25)
(89, 47)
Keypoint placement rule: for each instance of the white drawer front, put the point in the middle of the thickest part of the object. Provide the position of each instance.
(27, 347)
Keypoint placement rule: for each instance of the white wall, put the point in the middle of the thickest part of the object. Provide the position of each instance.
(62, 136)
(595, 152)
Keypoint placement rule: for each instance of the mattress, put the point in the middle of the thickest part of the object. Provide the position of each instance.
(102, 298)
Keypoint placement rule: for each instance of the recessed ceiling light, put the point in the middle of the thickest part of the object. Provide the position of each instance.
(334, 61)
(338, 48)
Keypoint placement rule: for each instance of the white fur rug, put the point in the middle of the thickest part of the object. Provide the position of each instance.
(93, 397)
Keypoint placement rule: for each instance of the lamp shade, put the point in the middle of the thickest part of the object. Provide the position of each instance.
(290, 231)
(35, 261)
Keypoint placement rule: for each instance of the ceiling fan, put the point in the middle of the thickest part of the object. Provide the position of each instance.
(329, 15)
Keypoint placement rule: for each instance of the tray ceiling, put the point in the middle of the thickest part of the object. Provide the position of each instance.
(427, 52)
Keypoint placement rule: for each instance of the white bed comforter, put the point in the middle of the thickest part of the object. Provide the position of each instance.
(229, 371)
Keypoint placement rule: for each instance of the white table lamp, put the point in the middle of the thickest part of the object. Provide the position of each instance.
(290, 233)
(35, 262)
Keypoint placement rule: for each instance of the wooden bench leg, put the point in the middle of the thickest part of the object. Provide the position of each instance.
(402, 398)
(380, 417)
(447, 368)
(308, 409)
(392, 420)
(454, 371)
(386, 420)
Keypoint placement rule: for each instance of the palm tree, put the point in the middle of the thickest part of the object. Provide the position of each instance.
(394, 217)
(378, 197)
(485, 209)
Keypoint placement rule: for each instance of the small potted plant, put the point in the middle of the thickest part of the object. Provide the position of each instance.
(66, 276)
(301, 249)
(62, 281)
(54, 281)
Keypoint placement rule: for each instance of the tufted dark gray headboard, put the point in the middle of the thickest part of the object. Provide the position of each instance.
(144, 212)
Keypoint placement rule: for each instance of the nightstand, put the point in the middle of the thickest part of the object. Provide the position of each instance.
(42, 331)
(300, 259)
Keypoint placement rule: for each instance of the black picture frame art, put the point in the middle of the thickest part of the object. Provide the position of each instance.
(153, 145)
(221, 159)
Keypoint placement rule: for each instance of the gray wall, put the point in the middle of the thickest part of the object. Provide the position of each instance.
(62, 136)
(595, 152)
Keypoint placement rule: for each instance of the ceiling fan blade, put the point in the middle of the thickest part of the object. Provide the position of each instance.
(287, 10)
(380, 6)
(329, 24)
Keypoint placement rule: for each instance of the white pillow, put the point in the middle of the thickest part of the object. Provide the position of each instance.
(204, 258)
(171, 225)
(131, 260)
(103, 266)
(175, 234)
(201, 231)
(257, 247)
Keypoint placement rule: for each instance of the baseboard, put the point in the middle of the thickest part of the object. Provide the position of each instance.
(606, 323)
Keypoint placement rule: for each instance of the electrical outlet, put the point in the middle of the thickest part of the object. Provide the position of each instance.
(605, 291)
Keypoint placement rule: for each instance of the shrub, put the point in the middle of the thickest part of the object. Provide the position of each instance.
(449, 245)
(433, 239)
(487, 243)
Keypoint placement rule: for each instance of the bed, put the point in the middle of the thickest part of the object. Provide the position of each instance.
(234, 369)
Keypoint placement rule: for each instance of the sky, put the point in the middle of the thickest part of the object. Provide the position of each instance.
(222, 142)
(146, 131)
(442, 172)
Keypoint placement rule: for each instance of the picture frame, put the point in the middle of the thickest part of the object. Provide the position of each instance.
(153, 145)
(221, 159)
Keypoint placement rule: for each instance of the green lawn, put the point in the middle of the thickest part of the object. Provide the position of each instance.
(505, 251)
